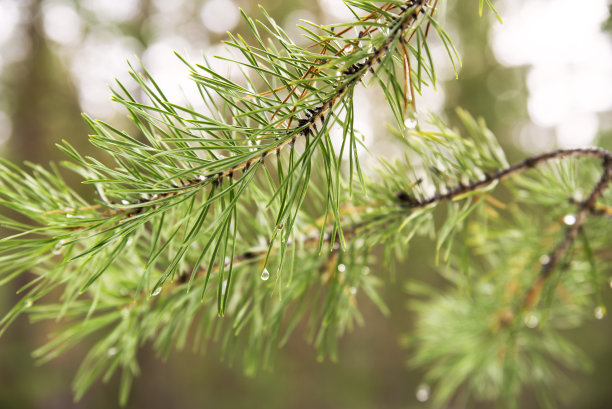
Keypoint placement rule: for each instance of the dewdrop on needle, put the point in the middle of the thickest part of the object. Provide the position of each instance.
(531, 321)
(569, 219)
(600, 312)
(410, 123)
(423, 392)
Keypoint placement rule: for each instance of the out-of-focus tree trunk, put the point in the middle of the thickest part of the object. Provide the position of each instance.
(46, 107)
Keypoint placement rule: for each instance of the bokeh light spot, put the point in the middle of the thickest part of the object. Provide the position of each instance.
(219, 16)
(61, 23)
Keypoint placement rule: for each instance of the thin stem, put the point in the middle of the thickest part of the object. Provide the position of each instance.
(554, 257)
(502, 174)
(405, 19)
(589, 206)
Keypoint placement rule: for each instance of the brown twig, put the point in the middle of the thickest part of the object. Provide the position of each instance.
(589, 206)
(304, 127)
(502, 174)
(584, 209)
(408, 202)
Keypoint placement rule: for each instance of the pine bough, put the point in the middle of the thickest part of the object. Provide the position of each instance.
(238, 221)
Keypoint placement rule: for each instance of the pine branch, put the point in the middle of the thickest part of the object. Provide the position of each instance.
(209, 194)
(502, 174)
(314, 114)
(584, 209)
(461, 191)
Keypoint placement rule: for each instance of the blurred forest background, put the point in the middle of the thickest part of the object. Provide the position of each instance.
(542, 80)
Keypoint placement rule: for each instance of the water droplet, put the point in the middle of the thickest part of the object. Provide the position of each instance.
(422, 393)
(227, 261)
(410, 123)
(223, 286)
(58, 247)
(125, 202)
(531, 320)
(112, 351)
(544, 259)
(353, 290)
(600, 312)
(610, 282)
(341, 268)
(569, 219)
(265, 274)
(156, 292)
(28, 303)
(366, 271)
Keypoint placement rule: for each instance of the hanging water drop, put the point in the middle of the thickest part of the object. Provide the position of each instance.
(341, 268)
(156, 292)
(265, 274)
(531, 320)
(28, 303)
(353, 290)
(58, 247)
(125, 202)
(544, 259)
(410, 123)
(569, 219)
(112, 351)
(423, 392)
(600, 312)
